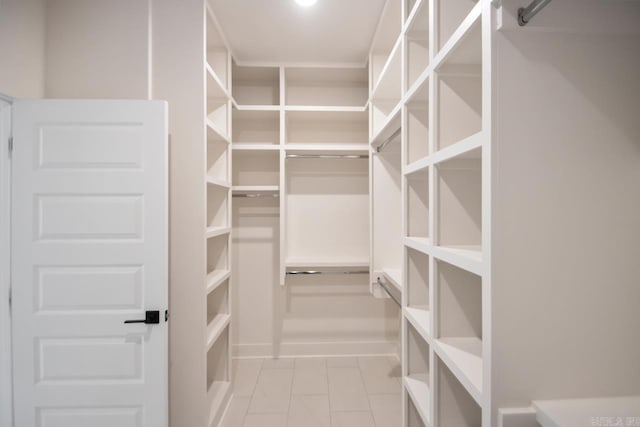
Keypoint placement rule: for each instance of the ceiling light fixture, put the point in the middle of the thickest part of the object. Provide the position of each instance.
(306, 3)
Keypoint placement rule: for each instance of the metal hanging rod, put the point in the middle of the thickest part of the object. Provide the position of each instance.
(525, 14)
(387, 141)
(384, 286)
(334, 272)
(327, 156)
(256, 195)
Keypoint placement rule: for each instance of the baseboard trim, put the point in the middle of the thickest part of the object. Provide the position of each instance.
(372, 348)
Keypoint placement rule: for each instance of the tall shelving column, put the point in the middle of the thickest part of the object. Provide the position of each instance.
(217, 239)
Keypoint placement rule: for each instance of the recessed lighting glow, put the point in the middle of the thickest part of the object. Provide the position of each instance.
(306, 3)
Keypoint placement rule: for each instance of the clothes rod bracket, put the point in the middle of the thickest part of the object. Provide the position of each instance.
(384, 286)
(525, 14)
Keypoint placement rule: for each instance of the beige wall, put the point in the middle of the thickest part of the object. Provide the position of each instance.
(566, 276)
(22, 48)
(97, 49)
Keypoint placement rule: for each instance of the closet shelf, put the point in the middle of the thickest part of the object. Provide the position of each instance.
(217, 231)
(464, 149)
(463, 356)
(394, 277)
(391, 125)
(255, 147)
(418, 166)
(215, 87)
(215, 328)
(411, 17)
(215, 134)
(216, 278)
(389, 75)
(468, 258)
(219, 182)
(244, 189)
(245, 107)
(327, 108)
(299, 262)
(420, 318)
(417, 387)
(420, 244)
(328, 148)
(216, 396)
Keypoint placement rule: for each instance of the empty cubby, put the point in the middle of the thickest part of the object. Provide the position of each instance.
(256, 127)
(326, 86)
(217, 206)
(417, 200)
(417, 357)
(459, 302)
(218, 302)
(417, 280)
(417, 124)
(218, 114)
(256, 85)
(256, 168)
(459, 218)
(417, 44)
(218, 253)
(413, 416)
(217, 160)
(326, 127)
(217, 363)
(455, 406)
(459, 91)
(451, 13)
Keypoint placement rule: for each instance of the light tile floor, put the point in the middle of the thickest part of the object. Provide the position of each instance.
(316, 392)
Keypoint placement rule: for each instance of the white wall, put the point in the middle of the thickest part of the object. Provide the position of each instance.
(97, 49)
(22, 48)
(566, 276)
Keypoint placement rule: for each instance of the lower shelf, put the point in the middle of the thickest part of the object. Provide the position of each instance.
(417, 387)
(463, 356)
(218, 395)
(216, 327)
(420, 318)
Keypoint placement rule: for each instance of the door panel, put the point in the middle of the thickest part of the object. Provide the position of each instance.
(89, 251)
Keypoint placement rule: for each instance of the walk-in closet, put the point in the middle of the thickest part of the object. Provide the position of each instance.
(319, 213)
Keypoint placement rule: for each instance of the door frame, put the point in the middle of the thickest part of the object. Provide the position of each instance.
(6, 383)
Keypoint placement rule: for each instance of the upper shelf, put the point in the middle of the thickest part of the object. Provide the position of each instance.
(256, 86)
(326, 87)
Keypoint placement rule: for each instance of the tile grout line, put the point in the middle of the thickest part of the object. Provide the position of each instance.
(365, 389)
(253, 391)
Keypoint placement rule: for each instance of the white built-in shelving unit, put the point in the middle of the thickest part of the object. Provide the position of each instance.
(430, 138)
(217, 238)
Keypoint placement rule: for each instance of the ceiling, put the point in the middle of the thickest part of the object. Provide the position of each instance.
(282, 32)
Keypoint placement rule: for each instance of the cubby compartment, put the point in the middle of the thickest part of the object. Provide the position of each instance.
(418, 379)
(256, 127)
(417, 44)
(459, 302)
(218, 111)
(413, 417)
(417, 279)
(459, 91)
(256, 85)
(417, 124)
(217, 207)
(326, 127)
(417, 199)
(218, 373)
(217, 160)
(384, 113)
(327, 211)
(385, 39)
(217, 53)
(218, 305)
(455, 406)
(256, 169)
(343, 87)
(459, 182)
(218, 254)
(451, 13)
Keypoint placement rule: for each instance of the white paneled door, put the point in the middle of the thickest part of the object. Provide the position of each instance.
(89, 252)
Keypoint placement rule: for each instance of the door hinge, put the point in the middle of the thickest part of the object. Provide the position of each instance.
(10, 145)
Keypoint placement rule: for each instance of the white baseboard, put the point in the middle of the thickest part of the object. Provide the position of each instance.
(386, 348)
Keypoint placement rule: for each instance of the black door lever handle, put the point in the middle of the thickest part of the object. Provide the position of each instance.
(150, 318)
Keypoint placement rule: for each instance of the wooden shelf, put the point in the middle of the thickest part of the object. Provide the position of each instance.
(327, 263)
(215, 134)
(319, 148)
(391, 125)
(417, 387)
(388, 84)
(468, 258)
(241, 107)
(244, 189)
(254, 147)
(420, 244)
(463, 356)
(217, 231)
(394, 277)
(215, 87)
(215, 328)
(216, 278)
(420, 318)
(326, 108)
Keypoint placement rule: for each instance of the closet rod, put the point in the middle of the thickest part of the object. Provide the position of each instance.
(327, 156)
(525, 14)
(384, 286)
(296, 272)
(256, 195)
(387, 141)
